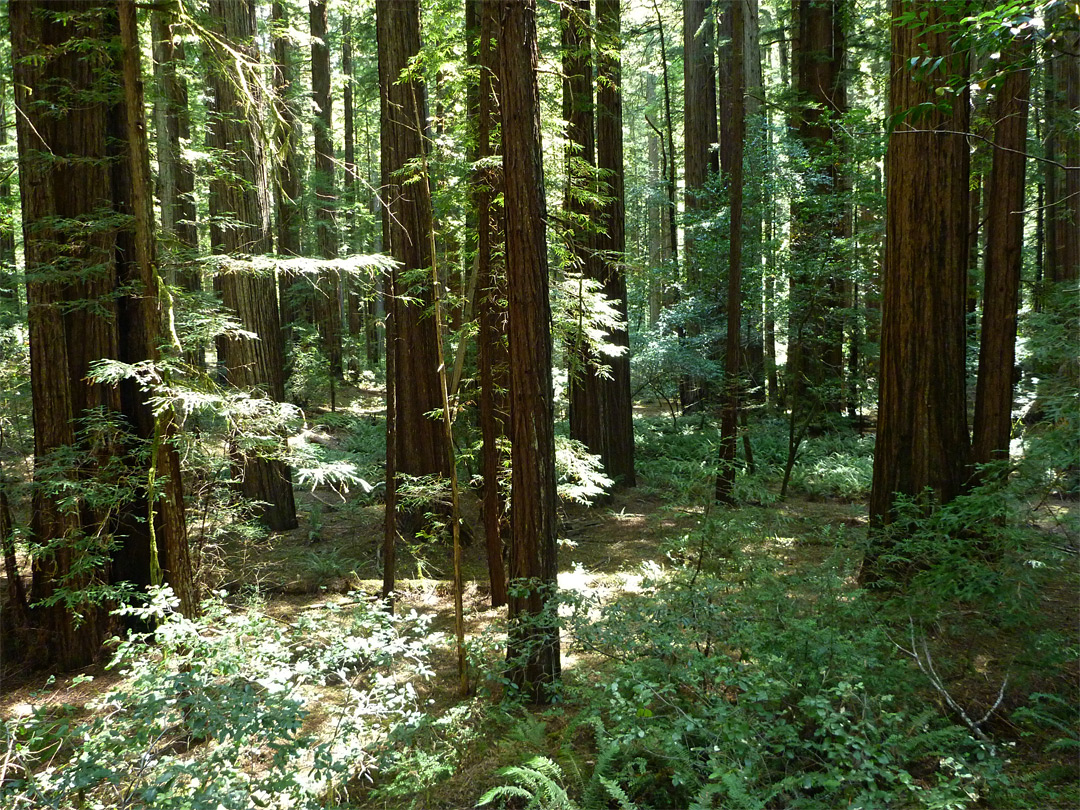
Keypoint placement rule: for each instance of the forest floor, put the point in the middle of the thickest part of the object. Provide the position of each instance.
(605, 551)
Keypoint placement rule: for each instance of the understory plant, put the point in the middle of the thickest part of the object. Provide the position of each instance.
(233, 710)
(726, 684)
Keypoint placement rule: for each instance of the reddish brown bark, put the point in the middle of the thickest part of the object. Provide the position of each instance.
(92, 295)
(493, 360)
(327, 303)
(407, 223)
(242, 194)
(618, 417)
(533, 644)
(1004, 260)
(734, 145)
(922, 439)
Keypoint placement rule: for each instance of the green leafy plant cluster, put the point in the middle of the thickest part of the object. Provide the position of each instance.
(724, 684)
(226, 712)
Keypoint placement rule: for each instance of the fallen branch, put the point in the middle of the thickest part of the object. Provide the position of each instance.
(926, 666)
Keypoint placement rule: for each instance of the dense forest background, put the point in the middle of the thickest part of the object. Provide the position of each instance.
(561, 404)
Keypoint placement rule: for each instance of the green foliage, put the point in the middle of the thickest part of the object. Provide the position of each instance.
(216, 713)
(735, 688)
(579, 473)
(537, 782)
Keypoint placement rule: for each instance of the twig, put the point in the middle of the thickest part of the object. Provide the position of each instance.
(935, 681)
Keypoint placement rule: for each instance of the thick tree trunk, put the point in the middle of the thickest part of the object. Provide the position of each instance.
(328, 288)
(242, 194)
(56, 195)
(288, 212)
(733, 149)
(494, 363)
(407, 223)
(78, 163)
(815, 349)
(922, 439)
(618, 413)
(699, 160)
(1004, 260)
(700, 134)
(1062, 260)
(585, 391)
(533, 643)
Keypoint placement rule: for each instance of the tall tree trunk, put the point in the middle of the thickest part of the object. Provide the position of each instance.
(242, 194)
(699, 159)
(753, 340)
(669, 133)
(815, 350)
(922, 439)
(700, 134)
(585, 391)
(176, 175)
(407, 222)
(654, 209)
(533, 642)
(77, 163)
(1004, 260)
(328, 288)
(494, 363)
(618, 406)
(1062, 261)
(288, 212)
(355, 293)
(156, 527)
(732, 149)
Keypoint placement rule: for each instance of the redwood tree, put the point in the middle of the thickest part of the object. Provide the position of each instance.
(585, 390)
(922, 438)
(328, 287)
(733, 148)
(617, 452)
(92, 295)
(240, 197)
(493, 362)
(419, 444)
(533, 643)
(815, 355)
(1004, 260)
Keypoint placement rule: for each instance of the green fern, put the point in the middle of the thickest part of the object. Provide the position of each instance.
(538, 781)
(601, 785)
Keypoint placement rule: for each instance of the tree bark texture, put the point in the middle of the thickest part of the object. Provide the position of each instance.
(585, 392)
(1004, 260)
(533, 642)
(288, 211)
(618, 407)
(328, 284)
(815, 351)
(1062, 261)
(725, 476)
(922, 439)
(176, 175)
(407, 224)
(92, 295)
(493, 360)
(700, 133)
(242, 193)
